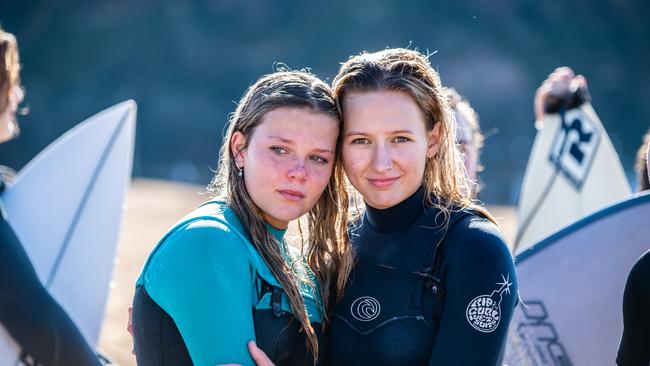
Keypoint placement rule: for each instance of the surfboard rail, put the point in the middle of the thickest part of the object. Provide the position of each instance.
(632, 201)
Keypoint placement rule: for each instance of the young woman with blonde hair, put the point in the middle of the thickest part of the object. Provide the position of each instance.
(224, 274)
(434, 282)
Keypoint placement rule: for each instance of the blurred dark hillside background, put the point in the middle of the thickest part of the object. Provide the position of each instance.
(187, 62)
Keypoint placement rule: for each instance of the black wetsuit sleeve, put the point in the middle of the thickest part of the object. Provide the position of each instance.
(33, 318)
(634, 348)
(480, 293)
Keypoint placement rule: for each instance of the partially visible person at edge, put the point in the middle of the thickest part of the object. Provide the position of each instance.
(42, 329)
(468, 136)
(634, 348)
(224, 274)
(641, 165)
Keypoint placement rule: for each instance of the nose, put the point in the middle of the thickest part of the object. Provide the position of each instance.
(297, 170)
(382, 160)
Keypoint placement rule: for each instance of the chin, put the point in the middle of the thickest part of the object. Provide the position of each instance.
(382, 203)
(288, 214)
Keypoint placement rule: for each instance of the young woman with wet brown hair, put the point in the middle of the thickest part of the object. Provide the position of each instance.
(224, 274)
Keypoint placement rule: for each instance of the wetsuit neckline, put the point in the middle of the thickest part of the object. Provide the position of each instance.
(400, 216)
(278, 234)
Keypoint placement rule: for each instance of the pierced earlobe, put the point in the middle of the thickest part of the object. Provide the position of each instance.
(237, 148)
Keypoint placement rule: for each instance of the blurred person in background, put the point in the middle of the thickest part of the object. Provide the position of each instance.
(641, 166)
(634, 348)
(468, 136)
(42, 329)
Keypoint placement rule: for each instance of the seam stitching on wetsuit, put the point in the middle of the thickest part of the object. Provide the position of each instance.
(391, 320)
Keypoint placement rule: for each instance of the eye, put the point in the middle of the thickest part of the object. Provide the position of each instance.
(279, 150)
(319, 159)
(401, 139)
(360, 141)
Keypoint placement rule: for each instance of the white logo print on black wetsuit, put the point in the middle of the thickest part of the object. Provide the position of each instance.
(484, 311)
(365, 308)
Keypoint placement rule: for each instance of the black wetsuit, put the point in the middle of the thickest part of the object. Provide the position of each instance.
(634, 349)
(423, 295)
(34, 319)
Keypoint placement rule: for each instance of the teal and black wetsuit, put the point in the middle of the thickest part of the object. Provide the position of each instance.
(420, 295)
(205, 292)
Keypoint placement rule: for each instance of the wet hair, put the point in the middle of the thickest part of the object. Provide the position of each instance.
(9, 68)
(327, 245)
(409, 71)
(641, 166)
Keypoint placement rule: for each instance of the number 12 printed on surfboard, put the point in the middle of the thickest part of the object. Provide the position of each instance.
(573, 170)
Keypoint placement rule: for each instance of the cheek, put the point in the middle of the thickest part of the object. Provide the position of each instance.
(320, 176)
(414, 160)
(261, 168)
(352, 170)
(262, 160)
(353, 159)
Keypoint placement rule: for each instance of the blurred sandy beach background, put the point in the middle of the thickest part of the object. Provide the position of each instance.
(152, 206)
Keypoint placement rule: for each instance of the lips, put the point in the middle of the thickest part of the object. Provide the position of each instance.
(291, 195)
(383, 182)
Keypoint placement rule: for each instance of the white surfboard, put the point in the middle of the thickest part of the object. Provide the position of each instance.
(571, 285)
(65, 206)
(573, 170)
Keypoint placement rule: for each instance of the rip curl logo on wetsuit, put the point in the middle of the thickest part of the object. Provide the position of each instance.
(484, 311)
(365, 308)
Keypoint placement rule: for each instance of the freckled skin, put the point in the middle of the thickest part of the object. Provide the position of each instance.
(292, 150)
(385, 145)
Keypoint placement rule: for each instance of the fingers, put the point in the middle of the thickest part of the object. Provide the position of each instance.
(580, 82)
(561, 82)
(260, 358)
(541, 95)
(129, 327)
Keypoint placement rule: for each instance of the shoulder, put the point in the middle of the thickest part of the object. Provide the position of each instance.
(210, 228)
(196, 244)
(475, 247)
(476, 235)
(476, 261)
(201, 235)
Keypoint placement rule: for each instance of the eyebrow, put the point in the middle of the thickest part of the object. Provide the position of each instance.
(396, 132)
(289, 141)
(283, 139)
